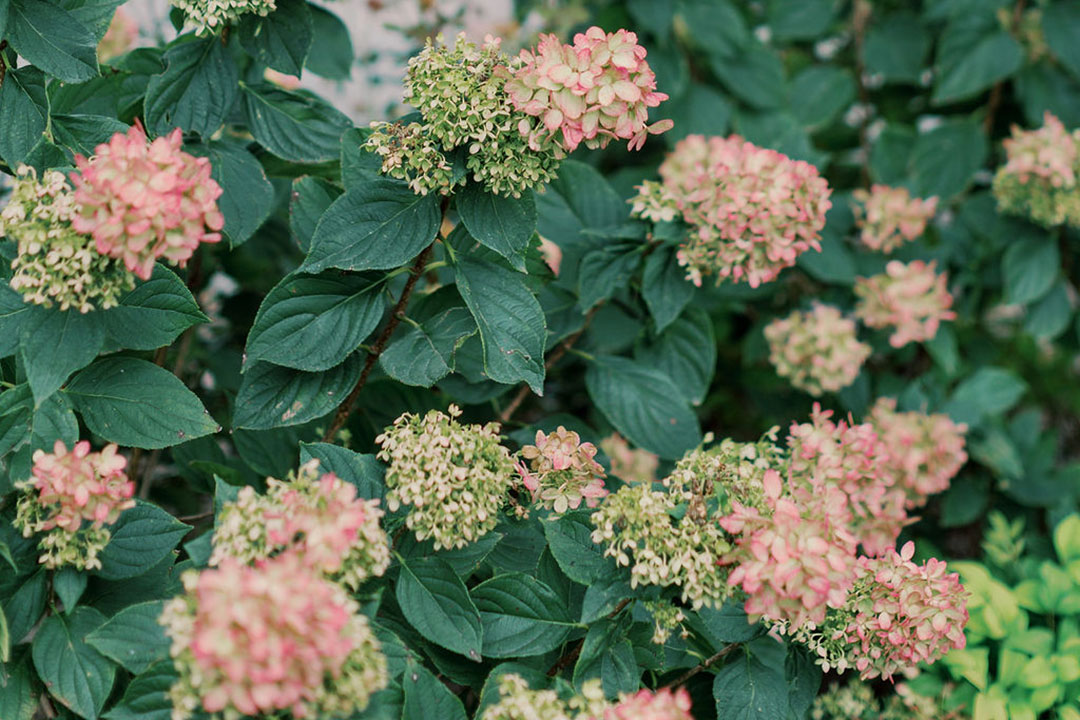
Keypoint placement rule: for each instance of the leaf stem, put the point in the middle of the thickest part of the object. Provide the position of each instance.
(708, 663)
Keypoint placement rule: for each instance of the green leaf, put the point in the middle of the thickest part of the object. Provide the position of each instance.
(363, 471)
(504, 224)
(332, 56)
(1061, 27)
(313, 323)
(745, 689)
(272, 397)
(377, 226)
(94, 14)
(426, 698)
(820, 93)
(715, 26)
(1030, 268)
(297, 126)
(778, 129)
(310, 198)
(142, 537)
(521, 616)
(50, 38)
(280, 40)
(197, 89)
(835, 264)
(425, 352)
(755, 76)
(55, 344)
(1050, 316)
(605, 271)
(800, 19)
(991, 59)
(990, 391)
(607, 653)
(5, 638)
(644, 405)
(728, 624)
(134, 403)
(463, 560)
(701, 110)
(890, 155)
(147, 697)
(570, 538)
(603, 596)
(154, 313)
(19, 699)
(247, 196)
(945, 159)
(74, 673)
(510, 319)
(664, 287)
(23, 609)
(435, 601)
(24, 113)
(14, 314)
(803, 677)
(133, 637)
(69, 584)
(685, 350)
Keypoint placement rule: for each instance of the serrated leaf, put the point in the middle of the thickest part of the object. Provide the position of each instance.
(685, 350)
(147, 697)
(23, 609)
(377, 226)
(50, 38)
(69, 584)
(24, 113)
(273, 397)
(569, 537)
(746, 689)
(133, 637)
(197, 89)
(280, 40)
(82, 133)
(664, 287)
(313, 322)
(436, 602)
(247, 196)
(134, 403)
(504, 224)
(142, 537)
(424, 354)
(521, 616)
(19, 699)
(363, 471)
(310, 198)
(56, 343)
(605, 271)
(74, 673)
(426, 698)
(154, 313)
(297, 126)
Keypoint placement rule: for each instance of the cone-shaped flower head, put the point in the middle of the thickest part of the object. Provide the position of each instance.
(453, 478)
(751, 211)
(817, 350)
(911, 298)
(211, 16)
(274, 637)
(142, 200)
(1039, 180)
(888, 216)
(561, 471)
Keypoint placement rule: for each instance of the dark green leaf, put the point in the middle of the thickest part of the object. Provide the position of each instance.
(272, 397)
(891, 155)
(435, 601)
(800, 19)
(603, 596)
(133, 637)
(142, 537)
(1030, 268)
(332, 56)
(685, 350)
(521, 616)
(379, 225)
(197, 89)
(992, 58)
(24, 608)
(82, 133)
(1049, 317)
(896, 47)
(701, 110)
(835, 264)
(606, 653)
(310, 198)
(247, 196)
(23, 113)
(74, 673)
(55, 344)
(570, 539)
(426, 698)
(715, 26)
(297, 126)
(69, 584)
(18, 691)
(147, 697)
(755, 76)
(1061, 27)
(363, 471)
(280, 40)
(504, 224)
(820, 93)
(945, 159)
(135, 403)
(664, 287)
(424, 354)
(464, 560)
(50, 38)
(727, 624)
(154, 313)
(803, 679)
(605, 271)
(991, 390)
(94, 14)
(745, 689)
(14, 314)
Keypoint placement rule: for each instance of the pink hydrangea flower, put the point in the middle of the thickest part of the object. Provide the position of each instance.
(911, 298)
(144, 201)
(818, 350)
(794, 560)
(925, 451)
(888, 216)
(645, 704)
(853, 459)
(562, 471)
(1039, 179)
(81, 486)
(594, 91)
(751, 211)
(903, 614)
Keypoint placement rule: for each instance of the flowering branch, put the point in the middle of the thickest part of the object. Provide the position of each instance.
(708, 663)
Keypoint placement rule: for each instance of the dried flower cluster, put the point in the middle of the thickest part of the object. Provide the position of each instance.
(212, 16)
(818, 350)
(597, 90)
(255, 640)
(143, 201)
(71, 496)
(888, 216)
(55, 264)
(517, 701)
(562, 471)
(631, 465)
(911, 298)
(319, 517)
(1039, 179)
(751, 211)
(453, 478)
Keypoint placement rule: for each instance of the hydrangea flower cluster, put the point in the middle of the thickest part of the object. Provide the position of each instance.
(142, 201)
(1039, 179)
(409, 153)
(910, 297)
(212, 16)
(517, 701)
(454, 478)
(856, 701)
(898, 614)
(121, 35)
(925, 450)
(632, 465)
(277, 636)
(562, 471)
(71, 496)
(597, 90)
(55, 264)
(751, 211)
(317, 516)
(888, 216)
(818, 350)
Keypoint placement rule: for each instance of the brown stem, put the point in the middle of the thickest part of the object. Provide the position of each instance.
(995, 94)
(553, 358)
(575, 651)
(396, 314)
(709, 662)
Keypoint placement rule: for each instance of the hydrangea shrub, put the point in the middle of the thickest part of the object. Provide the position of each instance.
(648, 361)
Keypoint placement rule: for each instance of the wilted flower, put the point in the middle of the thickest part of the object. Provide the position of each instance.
(454, 478)
(211, 16)
(55, 263)
(925, 451)
(121, 35)
(1039, 180)
(888, 216)
(630, 465)
(596, 90)
(911, 298)
(318, 517)
(71, 496)
(276, 636)
(751, 211)
(818, 350)
(561, 471)
(143, 201)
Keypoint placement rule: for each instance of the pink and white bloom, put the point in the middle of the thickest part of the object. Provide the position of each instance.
(912, 298)
(81, 486)
(817, 350)
(888, 216)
